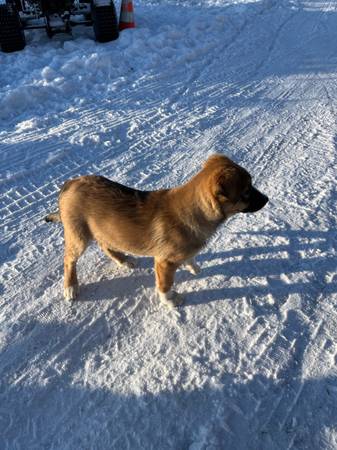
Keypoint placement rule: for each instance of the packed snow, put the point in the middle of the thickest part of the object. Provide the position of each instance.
(249, 361)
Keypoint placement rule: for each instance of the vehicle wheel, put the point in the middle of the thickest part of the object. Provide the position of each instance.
(12, 37)
(104, 21)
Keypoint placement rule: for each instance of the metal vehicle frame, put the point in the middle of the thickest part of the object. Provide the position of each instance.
(58, 16)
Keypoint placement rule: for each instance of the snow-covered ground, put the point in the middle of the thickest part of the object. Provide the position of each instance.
(249, 362)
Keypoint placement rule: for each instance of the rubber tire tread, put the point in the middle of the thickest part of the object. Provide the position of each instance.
(105, 22)
(12, 37)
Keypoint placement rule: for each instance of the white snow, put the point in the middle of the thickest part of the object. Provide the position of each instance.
(249, 362)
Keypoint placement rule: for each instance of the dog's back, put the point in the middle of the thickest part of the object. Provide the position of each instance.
(112, 214)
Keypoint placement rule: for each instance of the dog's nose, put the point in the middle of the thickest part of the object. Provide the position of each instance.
(260, 201)
(257, 201)
(265, 200)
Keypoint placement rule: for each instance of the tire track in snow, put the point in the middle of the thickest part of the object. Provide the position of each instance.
(214, 59)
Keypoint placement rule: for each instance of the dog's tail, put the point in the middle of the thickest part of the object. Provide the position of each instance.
(53, 217)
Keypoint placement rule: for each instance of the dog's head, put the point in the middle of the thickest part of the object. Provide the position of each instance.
(231, 187)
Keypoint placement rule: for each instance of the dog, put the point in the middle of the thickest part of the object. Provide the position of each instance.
(170, 225)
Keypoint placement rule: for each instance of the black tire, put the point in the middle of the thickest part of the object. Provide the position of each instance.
(12, 37)
(105, 22)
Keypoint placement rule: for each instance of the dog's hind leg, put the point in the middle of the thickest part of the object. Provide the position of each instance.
(165, 271)
(75, 246)
(118, 257)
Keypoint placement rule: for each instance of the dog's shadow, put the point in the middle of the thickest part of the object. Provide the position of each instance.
(119, 282)
(302, 265)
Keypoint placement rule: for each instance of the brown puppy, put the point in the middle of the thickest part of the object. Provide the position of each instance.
(172, 225)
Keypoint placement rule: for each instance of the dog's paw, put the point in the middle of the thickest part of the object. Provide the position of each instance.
(129, 262)
(171, 299)
(70, 292)
(193, 268)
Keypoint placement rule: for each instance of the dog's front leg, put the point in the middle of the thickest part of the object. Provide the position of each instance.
(165, 271)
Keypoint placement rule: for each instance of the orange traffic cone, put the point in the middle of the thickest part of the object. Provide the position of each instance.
(126, 19)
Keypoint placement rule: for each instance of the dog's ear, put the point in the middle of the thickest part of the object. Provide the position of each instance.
(223, 185)
(215, 161)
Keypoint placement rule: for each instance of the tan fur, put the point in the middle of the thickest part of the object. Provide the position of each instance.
(171, 225)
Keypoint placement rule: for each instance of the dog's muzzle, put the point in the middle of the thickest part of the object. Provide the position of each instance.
(257, 201)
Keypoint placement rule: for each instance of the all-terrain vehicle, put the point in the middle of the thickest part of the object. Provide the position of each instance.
(58, 16)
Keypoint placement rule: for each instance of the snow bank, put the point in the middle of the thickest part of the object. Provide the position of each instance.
(62, 72)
